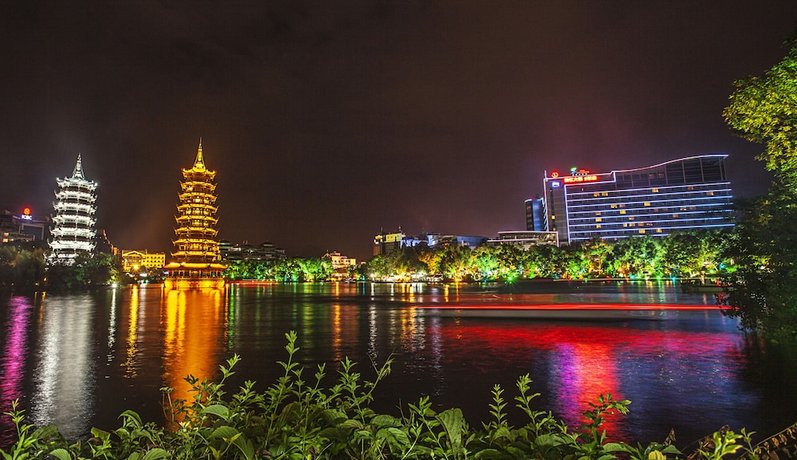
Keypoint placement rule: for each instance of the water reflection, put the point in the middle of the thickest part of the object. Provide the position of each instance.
(64, 375)
(131, 357)
(13, 361)
(693, 373)
(192, 323)
(655, 368)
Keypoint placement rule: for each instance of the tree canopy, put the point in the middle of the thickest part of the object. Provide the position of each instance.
(763, 292)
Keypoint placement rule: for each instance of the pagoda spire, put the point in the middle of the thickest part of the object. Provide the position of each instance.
(77, 173)
(199, 163)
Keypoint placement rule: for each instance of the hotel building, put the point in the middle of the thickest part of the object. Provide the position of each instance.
(684, 194)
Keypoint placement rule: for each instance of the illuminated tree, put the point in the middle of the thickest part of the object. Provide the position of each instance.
(763, 291)
(764, 110)
(485, 264)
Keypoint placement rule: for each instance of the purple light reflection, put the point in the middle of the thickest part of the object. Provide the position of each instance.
(13, 362)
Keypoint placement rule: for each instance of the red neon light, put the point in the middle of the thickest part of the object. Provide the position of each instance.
(577, 179)
(555, 174)
(577, 306)
(26, 211)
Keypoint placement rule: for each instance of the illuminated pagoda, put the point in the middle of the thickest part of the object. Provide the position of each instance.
(196, 260)
(75, 207)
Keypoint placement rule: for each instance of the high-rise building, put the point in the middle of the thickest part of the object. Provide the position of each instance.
(385, 243)
(74, 222)
(535, 215)
(683, 194)
(196, 261)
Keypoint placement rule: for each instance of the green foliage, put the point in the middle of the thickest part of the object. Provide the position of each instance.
(285, 270)
(299, 417)
(763, 291)
(21, 269)
(695, 254)
(88, 270)
(764, 110)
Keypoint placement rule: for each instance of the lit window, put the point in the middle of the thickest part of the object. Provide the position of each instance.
(614, 206)
(596, 194)
(647, 203)
(675, 215)
(597, 213)
(710, 193)
(553, 217)
(658, 230)
(630, 217)
(655, 190)
(625, 224)
(641, 230)
(597, 225)
(622, 211)
(605, 194)
(598, 219)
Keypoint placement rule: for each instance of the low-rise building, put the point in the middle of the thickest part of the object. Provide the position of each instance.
(433, 240)
(23, 227)
(339, 261)
(341, 265)
(245, 251)
(134, 261)
(525, 239)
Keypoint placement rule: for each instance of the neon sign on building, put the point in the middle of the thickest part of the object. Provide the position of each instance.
(578, 179)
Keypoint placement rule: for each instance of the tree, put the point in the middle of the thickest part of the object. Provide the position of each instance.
(21, 268)
(763, 291)
(88, 270)
(764, 110)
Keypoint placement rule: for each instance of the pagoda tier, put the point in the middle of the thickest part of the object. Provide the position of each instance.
(74, 223)
(196, 260)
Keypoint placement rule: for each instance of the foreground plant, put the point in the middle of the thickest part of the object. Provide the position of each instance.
(302, 419)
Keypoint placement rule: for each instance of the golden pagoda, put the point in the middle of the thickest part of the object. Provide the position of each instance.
(196, 261)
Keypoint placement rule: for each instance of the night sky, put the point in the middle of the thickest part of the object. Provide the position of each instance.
(329, 120)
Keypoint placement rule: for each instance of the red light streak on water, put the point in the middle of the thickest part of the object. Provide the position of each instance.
(575, 306)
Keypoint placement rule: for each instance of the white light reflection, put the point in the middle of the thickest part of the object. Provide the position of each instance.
(372, 352)
(112, 325)
(64, 375)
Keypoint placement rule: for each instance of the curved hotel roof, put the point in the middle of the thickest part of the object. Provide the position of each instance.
(676, 195)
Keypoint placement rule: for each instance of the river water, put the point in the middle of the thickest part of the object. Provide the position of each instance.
(80, 360)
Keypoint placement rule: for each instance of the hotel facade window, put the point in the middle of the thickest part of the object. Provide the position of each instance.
(684, 194)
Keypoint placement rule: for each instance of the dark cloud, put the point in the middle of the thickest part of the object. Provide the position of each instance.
(330, 120)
